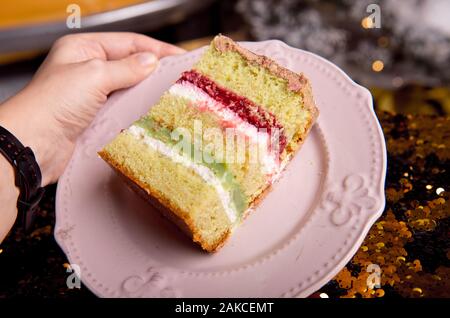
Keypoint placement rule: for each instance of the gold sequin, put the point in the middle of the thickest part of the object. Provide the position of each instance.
(421, 212)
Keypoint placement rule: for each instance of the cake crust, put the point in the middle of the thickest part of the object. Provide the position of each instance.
(178, 217)
(295, 82)
(168, 210)
(164, 206)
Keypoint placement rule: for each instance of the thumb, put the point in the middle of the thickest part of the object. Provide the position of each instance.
(127, 72)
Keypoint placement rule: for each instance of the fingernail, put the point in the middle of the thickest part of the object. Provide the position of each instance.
(147, 59)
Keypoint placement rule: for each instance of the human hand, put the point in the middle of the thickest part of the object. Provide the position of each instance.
(71, 85)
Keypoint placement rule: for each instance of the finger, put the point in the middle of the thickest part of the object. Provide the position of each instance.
(126, 72)
(118, 45)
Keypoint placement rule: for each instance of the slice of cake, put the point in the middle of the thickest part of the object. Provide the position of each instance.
(215, 142)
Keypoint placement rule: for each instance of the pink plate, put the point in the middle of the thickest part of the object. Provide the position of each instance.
(302, 234)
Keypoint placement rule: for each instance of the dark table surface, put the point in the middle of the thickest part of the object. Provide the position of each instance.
(410, 242)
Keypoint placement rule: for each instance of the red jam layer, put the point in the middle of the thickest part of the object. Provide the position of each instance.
(242, 106)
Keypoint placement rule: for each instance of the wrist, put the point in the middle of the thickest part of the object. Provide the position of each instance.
(30, 130)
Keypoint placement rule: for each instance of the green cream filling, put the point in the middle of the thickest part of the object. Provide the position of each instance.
(189, 149)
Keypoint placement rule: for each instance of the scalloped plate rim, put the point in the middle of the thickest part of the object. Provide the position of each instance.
(369, 220)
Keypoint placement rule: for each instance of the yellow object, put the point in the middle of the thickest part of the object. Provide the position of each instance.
(229, 69)
(181, 187)
(377, 66)
(367, 23)
(22, 12)
(172, 112)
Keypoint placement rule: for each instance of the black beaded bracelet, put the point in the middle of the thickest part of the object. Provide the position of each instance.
(27, 176)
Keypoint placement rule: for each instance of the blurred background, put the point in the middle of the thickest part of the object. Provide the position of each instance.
(402, 55)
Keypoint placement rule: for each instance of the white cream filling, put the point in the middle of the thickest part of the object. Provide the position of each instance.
(204, 172)
(199, 97)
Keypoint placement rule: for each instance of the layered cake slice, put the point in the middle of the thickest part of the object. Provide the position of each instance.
(217, 139)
